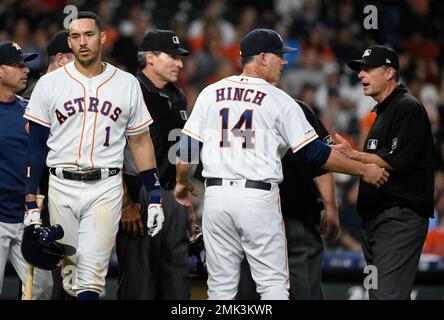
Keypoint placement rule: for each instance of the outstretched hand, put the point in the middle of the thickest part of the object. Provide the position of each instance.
(343, 146)
(182, 193)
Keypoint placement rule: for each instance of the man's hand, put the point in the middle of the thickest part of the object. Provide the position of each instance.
(343, 146)
(375, 175)
(131, 219)
(155, 218)
(330, 223)
(181, 192)
(32, 214)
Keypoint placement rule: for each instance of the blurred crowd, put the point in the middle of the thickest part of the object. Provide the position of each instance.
(327, 32)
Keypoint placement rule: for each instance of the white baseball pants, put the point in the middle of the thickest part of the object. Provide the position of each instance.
(89, 213)
(238, 221)
(11, 235)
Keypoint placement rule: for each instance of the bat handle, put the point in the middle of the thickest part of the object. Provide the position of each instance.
(27, 294)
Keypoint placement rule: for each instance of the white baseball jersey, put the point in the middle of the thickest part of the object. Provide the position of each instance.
(88, 117)
(246, 126)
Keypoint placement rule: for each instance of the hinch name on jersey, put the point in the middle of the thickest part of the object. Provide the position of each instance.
(77, 105)
(240, 94)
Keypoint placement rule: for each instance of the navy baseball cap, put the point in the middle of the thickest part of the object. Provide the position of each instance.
(163, 40)
(58, 43)
(263, 40)
(10, 52)
(376, 56)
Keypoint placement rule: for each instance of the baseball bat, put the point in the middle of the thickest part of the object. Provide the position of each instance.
(27, 292)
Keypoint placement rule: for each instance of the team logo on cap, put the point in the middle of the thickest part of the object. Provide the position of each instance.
(367, 53)
(175, 39)
(387, 61)
(15, 45)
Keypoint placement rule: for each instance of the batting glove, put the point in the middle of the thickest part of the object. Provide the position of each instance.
(32, 214)
(155, 218)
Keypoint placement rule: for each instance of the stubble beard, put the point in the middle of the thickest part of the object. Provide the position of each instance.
(86, 62)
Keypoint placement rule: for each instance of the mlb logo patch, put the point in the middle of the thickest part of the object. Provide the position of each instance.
(394, 143)
(372, 144)
(328, 140)
(183, 115)
(367, 53)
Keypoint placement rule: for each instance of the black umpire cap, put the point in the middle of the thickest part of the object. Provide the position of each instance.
(263, 40)
(58, 43)
(376, 56)
(10, 52)
(163, 40)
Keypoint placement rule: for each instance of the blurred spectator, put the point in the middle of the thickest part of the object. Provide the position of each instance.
(309, 72)
(212, 12)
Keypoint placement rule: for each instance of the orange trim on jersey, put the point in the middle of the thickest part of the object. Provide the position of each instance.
(84, 116)
(35, 119)
(248, 83)
(95, 119)
(135, 128)
(294, 149)
(193, 135)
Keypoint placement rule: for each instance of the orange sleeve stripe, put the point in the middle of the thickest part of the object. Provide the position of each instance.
(296, 148)
(192, 135)
(143, 124)
(35, 119)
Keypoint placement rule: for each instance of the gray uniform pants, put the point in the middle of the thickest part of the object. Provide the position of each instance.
(10, 242)
(392, 242)
(156, 268)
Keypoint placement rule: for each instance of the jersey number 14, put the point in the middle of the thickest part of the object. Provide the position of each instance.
(242, 128)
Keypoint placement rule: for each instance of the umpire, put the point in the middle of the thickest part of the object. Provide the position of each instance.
(156, 267)
(305, 191)
(395, 216)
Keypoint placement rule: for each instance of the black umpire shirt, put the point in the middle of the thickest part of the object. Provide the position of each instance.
(298, 191)
(401, 135)
(168, 108)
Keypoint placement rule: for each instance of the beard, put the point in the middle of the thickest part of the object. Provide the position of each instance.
(87, 61)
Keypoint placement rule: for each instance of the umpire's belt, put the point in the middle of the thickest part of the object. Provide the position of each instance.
(248, 183)
(90, 175)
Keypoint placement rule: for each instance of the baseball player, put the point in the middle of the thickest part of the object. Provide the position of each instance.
(13, 145)
(81, 113)
(245, 125)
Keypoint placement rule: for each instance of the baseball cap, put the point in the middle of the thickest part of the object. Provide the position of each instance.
(58, 43)
(263, 40)
(10, 52)
(375, 56)
(163, 40)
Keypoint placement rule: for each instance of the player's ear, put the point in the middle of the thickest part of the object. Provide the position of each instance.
(263, 59)
(102, 37)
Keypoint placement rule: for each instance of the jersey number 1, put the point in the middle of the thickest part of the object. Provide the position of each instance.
(245, 120)
(107, 131)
